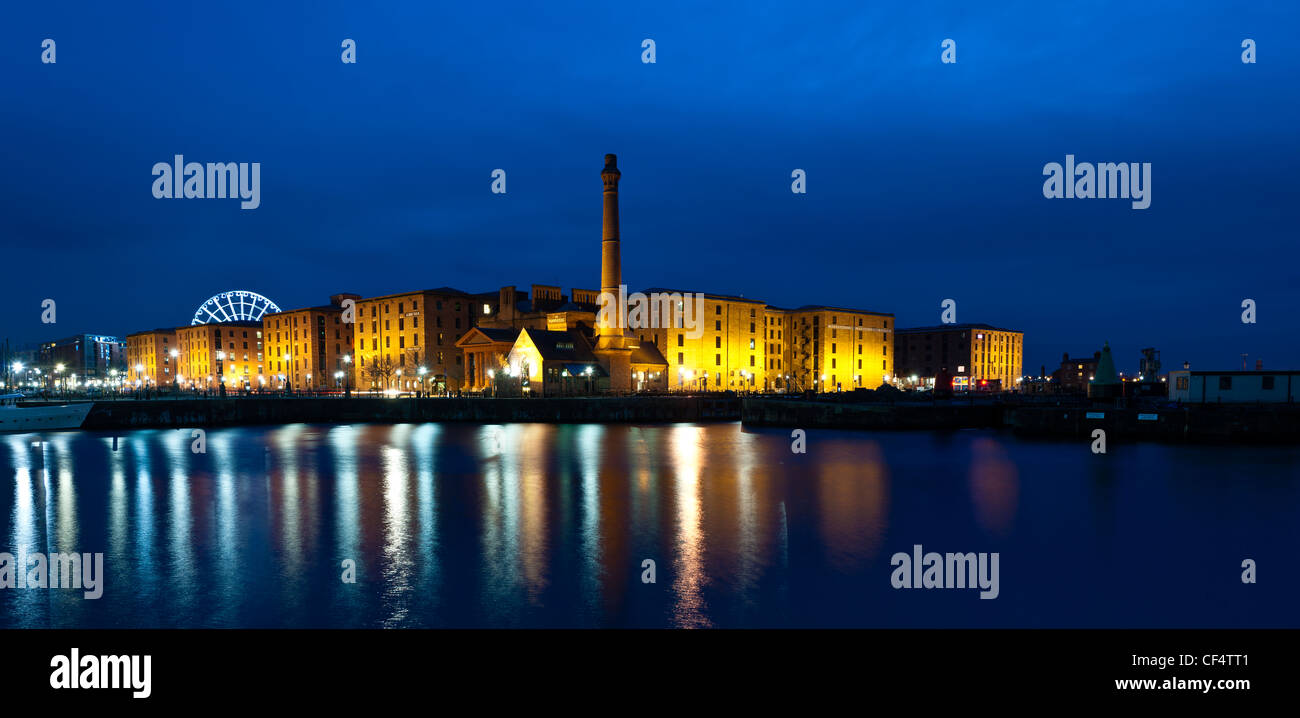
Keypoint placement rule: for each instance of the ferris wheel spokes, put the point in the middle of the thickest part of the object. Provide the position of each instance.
(233, 306)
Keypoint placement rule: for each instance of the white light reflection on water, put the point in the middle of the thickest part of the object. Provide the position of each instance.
(342, 442)
(182, 580)
(589, 442)
(143, 547)
(425, 444)
(222, 450)
(689, 610)
(397, 562)
(547, 525)
(499, 536)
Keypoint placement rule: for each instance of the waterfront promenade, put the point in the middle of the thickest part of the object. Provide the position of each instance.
(1067, 419)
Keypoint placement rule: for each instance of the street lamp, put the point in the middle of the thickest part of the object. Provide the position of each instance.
(288, 372)
(347, 375)
(422, 371)
(175, 353)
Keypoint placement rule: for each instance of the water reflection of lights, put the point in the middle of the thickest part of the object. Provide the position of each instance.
(499, 534)
(397, 562)
(589, 440)
(117, 501)
(994, 486)
(690, 578)
(288, 441)
(178, 453)
(24, 512)
(853, 490)
(220, 446)
(142, 545)
(749, 523)
(425, 441)
(59, 456)
(342, 441)
(534, 543)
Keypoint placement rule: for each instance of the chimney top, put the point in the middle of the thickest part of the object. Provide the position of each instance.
(611, 160)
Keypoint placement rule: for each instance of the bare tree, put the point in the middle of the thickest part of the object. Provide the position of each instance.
(380, 372)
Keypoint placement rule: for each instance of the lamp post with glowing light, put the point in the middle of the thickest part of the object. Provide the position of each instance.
(422, 371)
(347, 375)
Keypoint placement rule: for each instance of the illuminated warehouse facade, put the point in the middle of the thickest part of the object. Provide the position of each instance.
(311, 348)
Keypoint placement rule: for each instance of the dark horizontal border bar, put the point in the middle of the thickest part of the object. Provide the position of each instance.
(536, 668)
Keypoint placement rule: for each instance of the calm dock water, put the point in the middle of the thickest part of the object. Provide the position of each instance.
(523, 525)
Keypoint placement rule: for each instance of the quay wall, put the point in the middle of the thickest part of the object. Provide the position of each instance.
(1209, 423)
(127, 414)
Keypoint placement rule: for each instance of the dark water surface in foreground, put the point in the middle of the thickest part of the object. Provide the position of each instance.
(548, 525)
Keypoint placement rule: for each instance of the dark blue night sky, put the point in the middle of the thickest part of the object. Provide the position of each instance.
(924, 179)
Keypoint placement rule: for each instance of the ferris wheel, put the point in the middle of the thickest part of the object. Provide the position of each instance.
(234, 306)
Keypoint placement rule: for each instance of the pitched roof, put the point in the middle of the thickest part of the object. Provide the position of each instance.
(568, 346)
(499, 335)
(506, 335)
(648, 354)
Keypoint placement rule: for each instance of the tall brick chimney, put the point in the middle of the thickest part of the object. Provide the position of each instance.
(611, 262)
